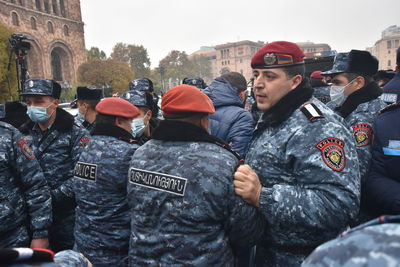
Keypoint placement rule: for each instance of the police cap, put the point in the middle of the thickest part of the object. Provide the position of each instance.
(89, 93)
(41, 87)
(142, 84)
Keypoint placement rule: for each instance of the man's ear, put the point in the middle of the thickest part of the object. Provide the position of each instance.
(56, 102)
(296, 80)
(204, 122)
(360, 82)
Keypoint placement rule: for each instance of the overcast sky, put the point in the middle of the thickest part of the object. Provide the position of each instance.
(186, 25)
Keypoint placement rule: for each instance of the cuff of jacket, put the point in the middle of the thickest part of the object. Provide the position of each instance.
(40, 234)
(266, 202)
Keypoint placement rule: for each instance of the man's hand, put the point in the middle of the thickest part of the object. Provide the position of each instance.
(247, 185)
(40, 243)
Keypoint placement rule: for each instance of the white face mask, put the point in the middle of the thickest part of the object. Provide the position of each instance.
(138, 127)
(337, 93)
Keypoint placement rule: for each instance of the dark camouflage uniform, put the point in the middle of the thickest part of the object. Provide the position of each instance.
(371, 244)
(306, 198)
(57, 150)
(198, 226)
(102, 227)
(25, 202)
(360, 124)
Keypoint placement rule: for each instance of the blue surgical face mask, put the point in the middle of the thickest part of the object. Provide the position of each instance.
(337, 93)
(38, 114)
(138, 127)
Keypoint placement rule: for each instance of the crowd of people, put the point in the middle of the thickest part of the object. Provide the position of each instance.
(201, 181)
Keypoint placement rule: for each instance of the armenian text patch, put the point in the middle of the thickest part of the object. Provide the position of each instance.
(26, 149)
(158, 181)
(86, 171)
(362, 133)
(333, 153)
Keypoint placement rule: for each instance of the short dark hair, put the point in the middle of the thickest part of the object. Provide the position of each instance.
(92, 103)
(236, 79)
(107, 119)
(294, 70)
(351, 76)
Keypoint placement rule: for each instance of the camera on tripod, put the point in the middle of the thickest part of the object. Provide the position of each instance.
(18, 44)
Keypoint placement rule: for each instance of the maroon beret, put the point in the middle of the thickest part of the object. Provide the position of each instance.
(316, 75)
(116, 106)
(276, 55)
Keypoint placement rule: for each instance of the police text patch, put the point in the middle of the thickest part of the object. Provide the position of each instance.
(362, 133)
(158, 181)
(333, 153)
(86, 171)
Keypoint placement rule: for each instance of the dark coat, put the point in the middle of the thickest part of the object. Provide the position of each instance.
(391, 90)
(230, 122)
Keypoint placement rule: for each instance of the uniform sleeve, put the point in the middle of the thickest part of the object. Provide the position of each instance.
(322, 197)
(381, 191)
(245, 223)
(79, 139)
(34, 186)
(240, 133)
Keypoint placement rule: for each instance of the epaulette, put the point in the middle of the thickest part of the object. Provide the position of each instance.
(311, 111)
(2, 111)
(390, 107)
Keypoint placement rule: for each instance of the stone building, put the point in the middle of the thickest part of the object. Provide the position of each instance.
(385, 48)
(311, 49)
(57, 30)
(236, 57)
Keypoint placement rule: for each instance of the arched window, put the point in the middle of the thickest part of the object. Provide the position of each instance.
(56, 66)
(66, 30)
(50, 27)
(62, 9)
(37, 3)
(33, 23)
(14, 19)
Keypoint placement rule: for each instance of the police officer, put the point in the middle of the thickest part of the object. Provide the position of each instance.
(87, 99)
(321, 88)
(25, 213)
(102, 213)
(391, 90)
(183, 207)
(383, 182)
(145, 84)
(198, 82)
(57, 143)
(355, 97)
(374, 243)
(301, 169)
(145, 123)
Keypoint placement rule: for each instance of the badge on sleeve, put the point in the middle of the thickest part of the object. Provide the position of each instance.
(362, 133)
(84, 140)
(333, 153)
(26, 149)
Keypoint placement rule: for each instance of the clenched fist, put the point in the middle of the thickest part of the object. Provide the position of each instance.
(247, 185)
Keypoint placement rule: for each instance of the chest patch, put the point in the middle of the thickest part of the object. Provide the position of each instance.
(84, 140)
(86, 171)
(333, 153)
(158, 181)
(362, 133)
(26, 149)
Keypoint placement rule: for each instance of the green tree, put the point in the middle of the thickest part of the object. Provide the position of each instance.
(135, 55)
(201, 67)
(8, 76)
(95, 52)
(176, 65)
(100, 72)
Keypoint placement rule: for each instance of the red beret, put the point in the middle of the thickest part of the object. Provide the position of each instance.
(316, 75)
(116, 106)
(276, 55)
(185, 99)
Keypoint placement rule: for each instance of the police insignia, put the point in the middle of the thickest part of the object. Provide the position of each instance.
(194, 82)
(84, 140)
(31, 84)
(269, 58)
(333, 153)
(362, 133)
(158, 181)
(26, 149)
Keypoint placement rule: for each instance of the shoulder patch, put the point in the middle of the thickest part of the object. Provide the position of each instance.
(362, 133)
(390, 107)
(311, 111)
(26, 149)
(86, 171)
(158, 181)
(84, 140)
(333, 153)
